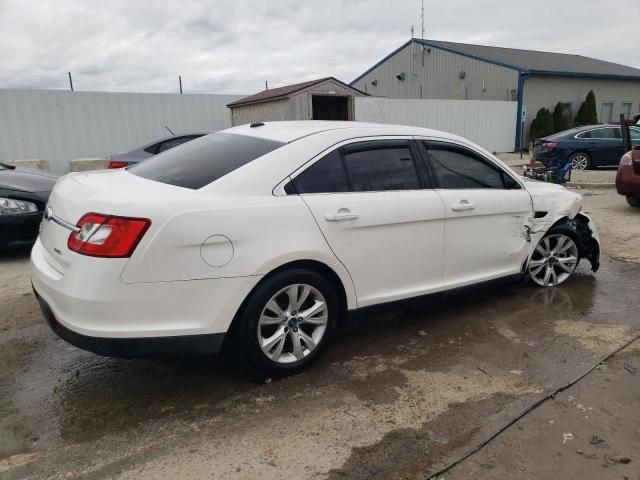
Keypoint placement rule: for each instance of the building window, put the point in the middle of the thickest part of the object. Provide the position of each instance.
(566, 108)
(625, 109)
(606, 114)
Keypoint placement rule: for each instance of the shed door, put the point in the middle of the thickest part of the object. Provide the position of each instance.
(330, 107)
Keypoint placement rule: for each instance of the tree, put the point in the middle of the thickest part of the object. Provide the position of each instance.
(561, 118)
(587, 114)
(542, 125)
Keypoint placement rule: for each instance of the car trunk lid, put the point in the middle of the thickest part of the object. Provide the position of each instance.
(110, 192)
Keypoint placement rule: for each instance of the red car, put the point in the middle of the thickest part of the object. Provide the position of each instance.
(628, 177)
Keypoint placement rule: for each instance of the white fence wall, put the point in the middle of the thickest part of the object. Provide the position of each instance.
(60, 126)
(490, 124)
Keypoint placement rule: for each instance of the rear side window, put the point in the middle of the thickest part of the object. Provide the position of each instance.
(370, 166)
(204, 160)
(586, 134)
(458, 168)
(327, 175)
(380, 169)
(606, 133)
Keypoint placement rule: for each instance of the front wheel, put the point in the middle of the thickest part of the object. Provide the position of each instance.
(580, 161)
(633, 201)
(287, 322)
(555, 258)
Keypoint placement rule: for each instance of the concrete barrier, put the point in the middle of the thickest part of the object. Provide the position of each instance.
(84, 164)
(31, 163)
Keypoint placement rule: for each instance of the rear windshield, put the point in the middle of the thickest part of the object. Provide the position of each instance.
(199, 162)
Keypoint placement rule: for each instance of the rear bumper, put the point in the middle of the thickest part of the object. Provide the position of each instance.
(206, 344)
(85, 303)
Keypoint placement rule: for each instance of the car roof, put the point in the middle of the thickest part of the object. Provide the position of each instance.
(289, 131)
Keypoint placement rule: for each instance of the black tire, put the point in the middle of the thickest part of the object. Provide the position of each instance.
(245, 333)
(633, 201)
(567, 231)
(577, 156)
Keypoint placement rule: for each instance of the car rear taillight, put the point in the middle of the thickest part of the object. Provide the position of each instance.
(115, 164)
(107, 236)
(550, 145)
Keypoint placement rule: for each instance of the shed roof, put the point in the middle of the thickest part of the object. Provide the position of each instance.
(530, 61)
(283, 92)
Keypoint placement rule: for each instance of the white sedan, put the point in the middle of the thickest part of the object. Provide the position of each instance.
(264, 236)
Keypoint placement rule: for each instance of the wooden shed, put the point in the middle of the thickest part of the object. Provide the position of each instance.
(323, 99)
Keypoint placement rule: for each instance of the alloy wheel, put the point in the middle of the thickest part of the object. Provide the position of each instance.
(292, 323)
(554, 260)
(579, 162)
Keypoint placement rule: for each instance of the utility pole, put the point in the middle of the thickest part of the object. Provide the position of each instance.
(422, 17)
(180, 83)
(70, 81)
(411, 31)
(266, 85)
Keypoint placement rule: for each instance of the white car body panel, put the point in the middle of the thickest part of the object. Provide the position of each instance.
(206, 249)
(408, 227)
(471, 252)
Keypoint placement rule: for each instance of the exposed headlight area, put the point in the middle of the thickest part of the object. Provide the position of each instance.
(10, 206)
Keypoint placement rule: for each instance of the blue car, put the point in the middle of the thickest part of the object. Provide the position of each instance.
(584, 147)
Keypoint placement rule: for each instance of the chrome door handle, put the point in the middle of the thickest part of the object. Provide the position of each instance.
(463, 205)
(341, 215)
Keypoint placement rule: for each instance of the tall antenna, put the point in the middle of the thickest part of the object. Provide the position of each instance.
(422, 17)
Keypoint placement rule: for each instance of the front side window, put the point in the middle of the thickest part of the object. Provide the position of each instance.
(381, 168)
(635, 134)
(458, 168)
(202, 161)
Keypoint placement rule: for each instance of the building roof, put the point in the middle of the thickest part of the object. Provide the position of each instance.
(284, 92)
(529, 61)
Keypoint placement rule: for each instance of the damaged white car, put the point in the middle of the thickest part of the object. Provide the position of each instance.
(262, 237)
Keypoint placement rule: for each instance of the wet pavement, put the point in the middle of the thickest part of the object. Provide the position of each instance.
(397, 395)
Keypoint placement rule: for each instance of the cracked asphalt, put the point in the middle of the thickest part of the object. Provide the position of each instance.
(398, 395)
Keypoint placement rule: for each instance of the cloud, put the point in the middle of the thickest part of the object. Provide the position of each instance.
(231, 46)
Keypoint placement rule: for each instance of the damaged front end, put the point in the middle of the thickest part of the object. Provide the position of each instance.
(555, 205)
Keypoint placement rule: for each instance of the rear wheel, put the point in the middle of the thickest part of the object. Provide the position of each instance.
(287, 322)
(633, 201)
(555, 258)
(580, 161)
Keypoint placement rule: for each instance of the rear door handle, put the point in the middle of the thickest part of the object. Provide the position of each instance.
(342, 214)
(462, 205)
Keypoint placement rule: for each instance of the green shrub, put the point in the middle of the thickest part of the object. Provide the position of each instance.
(561, 118)
(542, 125)
(587, 114)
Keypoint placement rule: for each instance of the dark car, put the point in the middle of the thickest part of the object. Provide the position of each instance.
(628, 177)
(23, 196)
(584, 147)
(120, 160)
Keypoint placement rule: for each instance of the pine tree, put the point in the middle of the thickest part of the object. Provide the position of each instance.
(542, 125)
(561, 121)
(587, 114)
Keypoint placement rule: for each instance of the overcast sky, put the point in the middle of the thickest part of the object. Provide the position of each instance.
(233, 46)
